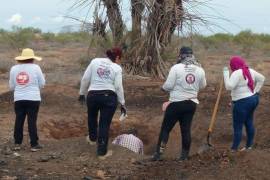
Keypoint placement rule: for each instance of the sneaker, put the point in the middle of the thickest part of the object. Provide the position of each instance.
(103, 157)
(183, 156)
(17, 147)
(233, 151)
(88, 140)
(36, 148)
(157, 156)
(246, 149)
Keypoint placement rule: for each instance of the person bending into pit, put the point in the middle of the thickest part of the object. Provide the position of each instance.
(244, 84)
(184, 81)
(102, 82)
(130, 140)
(26, 80)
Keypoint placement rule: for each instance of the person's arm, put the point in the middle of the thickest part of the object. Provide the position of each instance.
(141, 148)
(118, 84)
(170, 82)
(86, 79)
(231, 82)
(41, 78)
(203, 80)
(12, 84)
(259, 79)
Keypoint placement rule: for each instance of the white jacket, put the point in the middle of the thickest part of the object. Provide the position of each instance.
(26, 80)
(238, 85)
(184, 82)
(103, 74)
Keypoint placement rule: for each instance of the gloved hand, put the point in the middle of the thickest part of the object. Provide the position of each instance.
(123, 113)
(123, 110)
(226, 71)
(81, 99)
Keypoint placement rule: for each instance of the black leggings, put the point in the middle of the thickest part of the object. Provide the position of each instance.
(30, 109)
(182, 112)
(104, 102)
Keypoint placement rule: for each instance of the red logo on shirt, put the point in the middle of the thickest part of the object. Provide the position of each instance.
(22, 78)
(190, 78)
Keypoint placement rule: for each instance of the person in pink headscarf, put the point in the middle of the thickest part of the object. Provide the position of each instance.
(244, 84)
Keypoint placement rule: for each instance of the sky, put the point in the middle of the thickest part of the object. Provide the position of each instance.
(231, 16)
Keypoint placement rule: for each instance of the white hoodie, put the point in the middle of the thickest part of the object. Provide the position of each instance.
(103, 74)
(184, 82)
(238, 85)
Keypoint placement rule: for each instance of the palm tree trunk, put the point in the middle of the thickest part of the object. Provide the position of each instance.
(115, 19)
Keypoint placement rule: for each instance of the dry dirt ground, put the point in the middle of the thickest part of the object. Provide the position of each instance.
(62, 129)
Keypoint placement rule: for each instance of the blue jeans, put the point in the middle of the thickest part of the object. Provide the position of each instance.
(243, 111)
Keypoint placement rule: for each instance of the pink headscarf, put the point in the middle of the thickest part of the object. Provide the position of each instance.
(238, 62)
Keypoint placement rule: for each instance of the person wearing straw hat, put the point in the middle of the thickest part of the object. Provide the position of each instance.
(26, 80)
(244, 84)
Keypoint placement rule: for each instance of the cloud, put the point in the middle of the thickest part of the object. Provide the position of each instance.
(36, 19)
(15, 19)
(58, 19)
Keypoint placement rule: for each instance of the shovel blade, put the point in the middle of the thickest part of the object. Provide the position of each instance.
(204, 148)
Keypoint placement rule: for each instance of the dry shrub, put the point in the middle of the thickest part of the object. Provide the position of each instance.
(5, 66)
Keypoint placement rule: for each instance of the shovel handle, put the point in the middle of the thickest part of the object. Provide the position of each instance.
(213, 118)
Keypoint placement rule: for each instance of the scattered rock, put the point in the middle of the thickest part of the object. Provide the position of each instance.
(55, 155)
(4, 171)
(16, 154)
(87, 178)
(9, 178)
(3, 162)
(6, 151)
(101, 174)
(133, 160)
(44, 158)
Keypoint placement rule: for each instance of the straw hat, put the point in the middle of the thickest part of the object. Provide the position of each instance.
(27, 54)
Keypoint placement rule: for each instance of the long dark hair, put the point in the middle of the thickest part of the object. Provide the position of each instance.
(113, 53)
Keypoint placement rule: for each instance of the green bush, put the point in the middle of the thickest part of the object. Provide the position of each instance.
(19, 37)
(48, 36)
(247, 41)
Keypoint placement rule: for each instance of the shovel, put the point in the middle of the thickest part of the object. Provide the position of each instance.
(208, 144)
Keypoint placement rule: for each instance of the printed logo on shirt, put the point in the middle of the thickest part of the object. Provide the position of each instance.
(104, 72)
(22, 78)
(190, 78)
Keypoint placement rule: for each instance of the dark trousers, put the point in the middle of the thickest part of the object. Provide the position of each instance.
(105, 103)
(30, 109)
(243, 111)
(181, 112)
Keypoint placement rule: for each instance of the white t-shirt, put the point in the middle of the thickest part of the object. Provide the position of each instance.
(103, 74)
(239, 86)
(26, 80)
(184, 82)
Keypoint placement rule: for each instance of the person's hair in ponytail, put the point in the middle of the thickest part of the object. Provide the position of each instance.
(113, 53)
